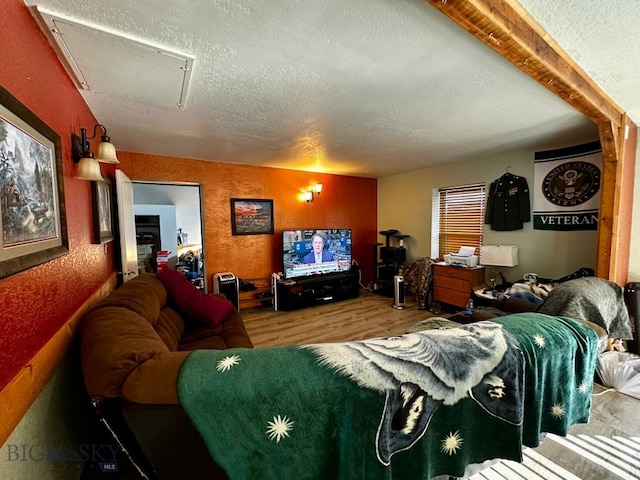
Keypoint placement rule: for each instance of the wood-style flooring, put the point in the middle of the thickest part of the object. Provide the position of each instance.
(368, 316)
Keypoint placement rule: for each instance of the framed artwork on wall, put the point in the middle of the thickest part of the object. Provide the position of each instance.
(102, 212)
(32, 212)
(251, 216)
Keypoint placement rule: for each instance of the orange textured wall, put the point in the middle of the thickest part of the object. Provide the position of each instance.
(37, 302)
(345, 202)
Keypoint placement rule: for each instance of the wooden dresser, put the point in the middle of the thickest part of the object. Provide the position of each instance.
(454, 285)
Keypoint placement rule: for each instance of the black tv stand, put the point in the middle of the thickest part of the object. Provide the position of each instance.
(308, 292)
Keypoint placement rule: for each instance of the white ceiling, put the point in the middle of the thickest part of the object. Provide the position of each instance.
(362, 87)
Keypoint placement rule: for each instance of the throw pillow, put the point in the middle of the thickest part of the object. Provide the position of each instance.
(206, 308)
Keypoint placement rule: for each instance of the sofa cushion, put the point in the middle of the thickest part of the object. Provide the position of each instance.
(115, 342)
(170, 327)
(206, 308)
(154, 381)
(145, 296)
(231, 333)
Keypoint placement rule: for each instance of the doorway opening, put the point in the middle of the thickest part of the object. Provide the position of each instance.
(168, 218)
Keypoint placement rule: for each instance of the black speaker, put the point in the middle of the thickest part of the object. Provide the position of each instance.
(227, 284)
(398, 292)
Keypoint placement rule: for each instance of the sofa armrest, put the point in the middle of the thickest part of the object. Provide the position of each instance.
(155, 381)
(603, 337)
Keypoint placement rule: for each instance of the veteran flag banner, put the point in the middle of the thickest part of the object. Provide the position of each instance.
(567, 188)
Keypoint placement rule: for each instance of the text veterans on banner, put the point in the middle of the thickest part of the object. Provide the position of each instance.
(567, 193)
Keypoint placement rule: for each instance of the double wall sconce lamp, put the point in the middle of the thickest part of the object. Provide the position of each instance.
(88, 164)
(313, 192)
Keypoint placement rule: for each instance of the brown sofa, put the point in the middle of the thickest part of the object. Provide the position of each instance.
(132, 345)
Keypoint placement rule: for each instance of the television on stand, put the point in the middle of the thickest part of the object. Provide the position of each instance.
(317, 268)
(308, 253)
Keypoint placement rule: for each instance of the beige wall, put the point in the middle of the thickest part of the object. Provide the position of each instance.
(59, 418)
(404, 203)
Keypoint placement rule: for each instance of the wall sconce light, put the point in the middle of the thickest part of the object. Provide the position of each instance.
(312, 193)
(88, 165)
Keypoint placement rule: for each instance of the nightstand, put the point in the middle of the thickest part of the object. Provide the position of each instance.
(454, 285)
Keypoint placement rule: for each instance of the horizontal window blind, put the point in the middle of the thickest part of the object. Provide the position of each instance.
(461, 217)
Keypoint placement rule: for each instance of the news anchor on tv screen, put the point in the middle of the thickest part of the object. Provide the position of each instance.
(318, 254)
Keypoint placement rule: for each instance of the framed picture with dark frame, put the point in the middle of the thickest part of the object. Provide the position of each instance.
(32, 211)
(102, 212)
(251, 216)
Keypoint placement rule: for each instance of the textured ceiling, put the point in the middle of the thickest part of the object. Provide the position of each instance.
(362, 87)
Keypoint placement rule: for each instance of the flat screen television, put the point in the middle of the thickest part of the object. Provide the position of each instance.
(306, 253)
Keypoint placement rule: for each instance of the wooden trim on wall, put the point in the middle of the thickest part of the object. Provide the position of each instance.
(20, 393)
(609, 193)
(621, 208)
(506, 27)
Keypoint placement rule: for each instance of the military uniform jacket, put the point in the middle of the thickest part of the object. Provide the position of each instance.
(508, 204)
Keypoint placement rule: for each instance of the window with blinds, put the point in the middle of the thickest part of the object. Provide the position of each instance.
(461, 217)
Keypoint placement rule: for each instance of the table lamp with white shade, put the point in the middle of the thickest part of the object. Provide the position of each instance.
(497, 256)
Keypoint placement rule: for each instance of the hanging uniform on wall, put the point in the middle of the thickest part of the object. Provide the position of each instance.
(508, 204)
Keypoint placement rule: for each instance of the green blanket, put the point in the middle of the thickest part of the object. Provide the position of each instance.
(560, 354)
(414, 406)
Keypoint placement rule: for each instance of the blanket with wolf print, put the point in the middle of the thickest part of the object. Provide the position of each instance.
(414, 406)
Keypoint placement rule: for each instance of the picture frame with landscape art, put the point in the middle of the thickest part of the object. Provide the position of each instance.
(102, 211)
(251, 216)
(32, 211)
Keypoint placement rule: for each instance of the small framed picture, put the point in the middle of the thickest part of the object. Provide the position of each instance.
(251, 216)
(102, 212)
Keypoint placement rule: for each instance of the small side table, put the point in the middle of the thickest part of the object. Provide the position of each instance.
(261, 296)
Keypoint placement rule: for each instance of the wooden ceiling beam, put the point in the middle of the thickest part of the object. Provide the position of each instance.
(506, 27)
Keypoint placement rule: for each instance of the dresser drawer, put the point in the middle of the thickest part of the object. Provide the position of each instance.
(456, 298)
(453, 283)
(456, 272)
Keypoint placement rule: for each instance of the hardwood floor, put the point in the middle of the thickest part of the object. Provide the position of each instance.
(367, 316)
